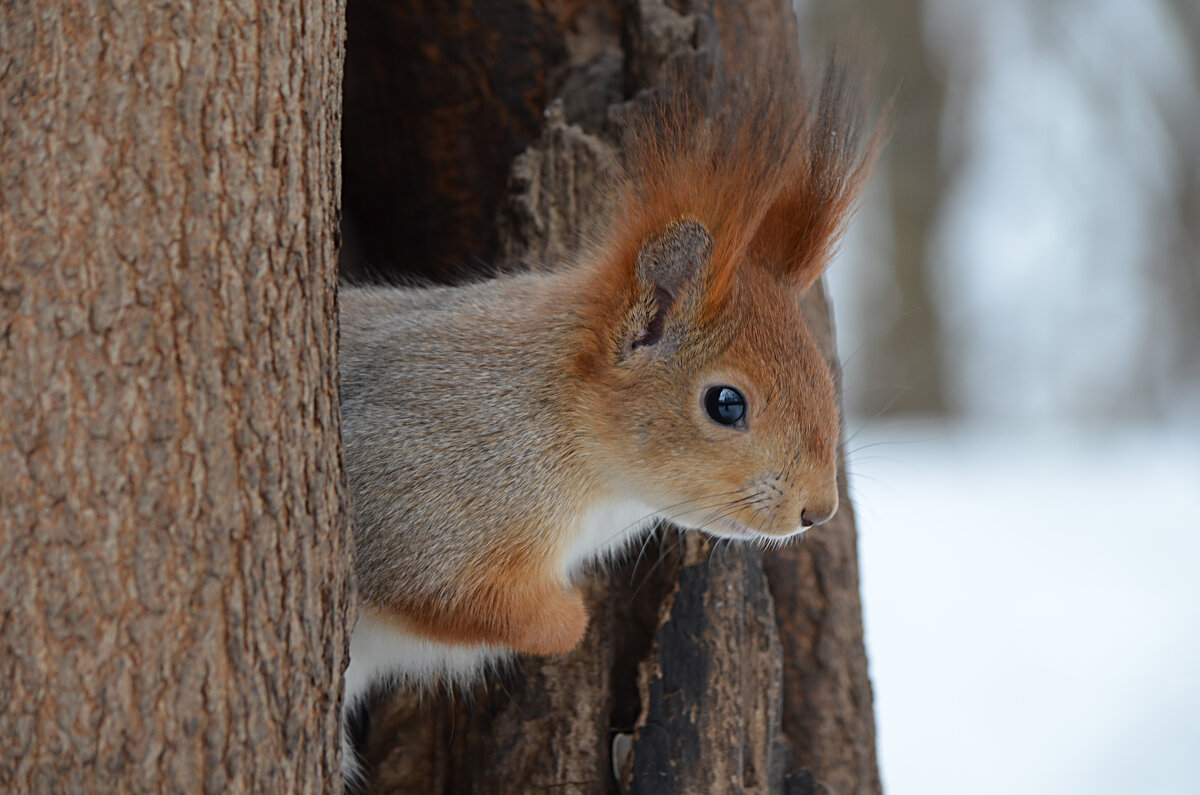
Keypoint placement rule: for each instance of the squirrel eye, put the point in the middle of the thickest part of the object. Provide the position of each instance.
(725, 405)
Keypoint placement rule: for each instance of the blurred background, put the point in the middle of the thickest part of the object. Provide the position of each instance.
(1019, 319)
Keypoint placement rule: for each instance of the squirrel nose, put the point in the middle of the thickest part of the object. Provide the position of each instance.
(810, 517)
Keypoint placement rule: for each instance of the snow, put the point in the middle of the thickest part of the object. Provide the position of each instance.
(1032, 606)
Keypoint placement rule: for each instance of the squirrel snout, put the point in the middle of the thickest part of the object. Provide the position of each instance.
(817, 514)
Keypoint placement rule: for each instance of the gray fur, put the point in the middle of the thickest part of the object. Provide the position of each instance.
(452, 418)
(671, 260)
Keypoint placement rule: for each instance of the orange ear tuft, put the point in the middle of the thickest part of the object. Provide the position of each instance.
(804, 224)
(769, 165)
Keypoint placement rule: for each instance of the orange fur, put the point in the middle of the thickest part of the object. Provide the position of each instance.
(763, 167)
(768, 161)
(511, 599)
(771, 164)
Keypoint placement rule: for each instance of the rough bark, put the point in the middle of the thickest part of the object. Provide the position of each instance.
(467, 66)
(706, 668)
(173, 536)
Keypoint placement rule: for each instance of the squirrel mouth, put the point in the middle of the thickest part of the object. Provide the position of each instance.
(729, 528)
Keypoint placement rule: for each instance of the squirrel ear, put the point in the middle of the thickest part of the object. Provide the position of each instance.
(666, 266)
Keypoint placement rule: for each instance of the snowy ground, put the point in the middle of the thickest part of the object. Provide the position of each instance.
(1032, 605)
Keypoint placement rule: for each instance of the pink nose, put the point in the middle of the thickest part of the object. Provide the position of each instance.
(809, 518)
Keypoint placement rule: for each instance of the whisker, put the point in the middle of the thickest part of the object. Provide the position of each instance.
(662, 555)
(645, 544)
(757, 501)
(729, 510)
(758, 511)
(893, 442)
(672, 508)
(843, 362)
(884, 330)
(882, 411)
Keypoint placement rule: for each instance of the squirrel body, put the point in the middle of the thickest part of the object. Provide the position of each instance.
(502, 435)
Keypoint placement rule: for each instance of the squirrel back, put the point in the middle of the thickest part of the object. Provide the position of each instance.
(500, 434)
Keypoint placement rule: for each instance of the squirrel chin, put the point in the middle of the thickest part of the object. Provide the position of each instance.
(728, 528)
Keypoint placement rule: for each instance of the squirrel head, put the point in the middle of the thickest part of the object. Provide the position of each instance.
(704, 390)
(724, 417)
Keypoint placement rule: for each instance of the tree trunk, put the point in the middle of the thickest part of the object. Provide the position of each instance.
(906, 353)
(704, 670)
(173, 532)
(902, 364)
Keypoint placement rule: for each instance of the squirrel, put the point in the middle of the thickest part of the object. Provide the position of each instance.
(502, 435)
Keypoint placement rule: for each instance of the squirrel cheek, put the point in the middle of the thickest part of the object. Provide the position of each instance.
(556, 626)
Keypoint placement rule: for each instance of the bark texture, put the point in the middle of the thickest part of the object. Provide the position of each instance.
(473, 67)
(173, 536)
(705, 669)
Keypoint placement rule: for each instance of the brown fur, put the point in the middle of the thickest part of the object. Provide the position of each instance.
(509, 603)
(540, 396)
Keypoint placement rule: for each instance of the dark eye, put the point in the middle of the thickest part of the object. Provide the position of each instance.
(725, 405)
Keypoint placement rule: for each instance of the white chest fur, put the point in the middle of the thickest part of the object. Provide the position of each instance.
(604, 531)
(379, 650)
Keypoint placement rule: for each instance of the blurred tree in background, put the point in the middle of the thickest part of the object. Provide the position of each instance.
(1030, 249)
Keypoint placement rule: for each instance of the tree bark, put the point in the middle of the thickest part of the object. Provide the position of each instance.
(174, 543)
(704, 669)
